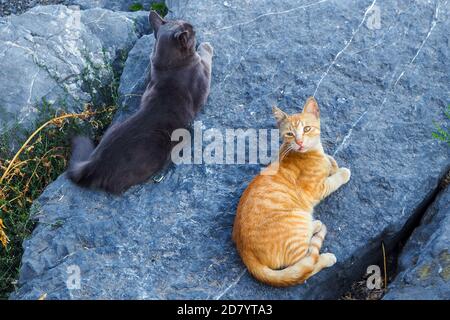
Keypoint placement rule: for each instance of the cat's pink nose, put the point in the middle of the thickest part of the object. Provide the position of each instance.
(299, 142)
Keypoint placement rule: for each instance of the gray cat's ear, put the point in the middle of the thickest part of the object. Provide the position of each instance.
(182, 37)
(311, 106)
(155, 21)
(279, 115)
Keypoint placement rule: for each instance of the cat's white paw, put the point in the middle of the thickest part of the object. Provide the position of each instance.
(346, 174)
(207, 47)
(328, 259)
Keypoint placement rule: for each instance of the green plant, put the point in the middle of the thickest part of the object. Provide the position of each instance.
(40, 160)
(159, 7)
(136, 7)
(442, 132)
(41, 155)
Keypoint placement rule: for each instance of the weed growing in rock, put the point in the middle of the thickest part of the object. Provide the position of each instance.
(159, 7)
(41, 158)
(136, 7)
(24, 175)
(442, 133)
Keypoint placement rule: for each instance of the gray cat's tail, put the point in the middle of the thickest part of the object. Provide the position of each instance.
(82, 148)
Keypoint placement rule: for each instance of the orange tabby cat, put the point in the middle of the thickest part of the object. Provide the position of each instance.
(274, 230)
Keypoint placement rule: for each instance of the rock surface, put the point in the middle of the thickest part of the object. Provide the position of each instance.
(8, 7)
(380, 87)
(135, 76)
(119, 5)
(57, 53)
(424, 263)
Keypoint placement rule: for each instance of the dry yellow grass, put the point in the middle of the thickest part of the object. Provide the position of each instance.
(13, 168)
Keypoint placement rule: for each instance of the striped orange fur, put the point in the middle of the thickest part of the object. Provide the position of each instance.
(274, 230)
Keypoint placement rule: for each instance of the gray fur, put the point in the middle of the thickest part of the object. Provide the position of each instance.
(132, 151)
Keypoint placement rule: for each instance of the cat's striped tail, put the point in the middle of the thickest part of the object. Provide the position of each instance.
(297, 273)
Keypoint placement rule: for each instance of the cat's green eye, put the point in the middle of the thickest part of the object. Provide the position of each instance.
(307, 129)
(289, 134)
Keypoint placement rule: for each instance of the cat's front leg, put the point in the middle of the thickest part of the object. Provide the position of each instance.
(334, 165)
(206, 51)
(333, 182)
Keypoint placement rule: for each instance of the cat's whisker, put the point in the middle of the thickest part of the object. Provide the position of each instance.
(285, 153)
(284, 150)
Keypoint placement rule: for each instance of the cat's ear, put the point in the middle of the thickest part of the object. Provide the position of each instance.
(182, 37)
(279, 115)
(312, 107)
(155, 21)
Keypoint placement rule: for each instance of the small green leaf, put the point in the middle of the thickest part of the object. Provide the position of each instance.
(442, 133)
(161, 8)
(136, 7)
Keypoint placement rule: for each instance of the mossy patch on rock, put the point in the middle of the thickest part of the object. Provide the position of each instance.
(444, 259)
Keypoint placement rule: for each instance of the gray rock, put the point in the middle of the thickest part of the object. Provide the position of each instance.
(8, 7)
(119, 5)
(424, 264)
(57, 53)
(135, 76)
(379, 90)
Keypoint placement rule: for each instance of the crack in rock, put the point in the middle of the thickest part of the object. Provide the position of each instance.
(433, 24)
(345, 47)
(266, 15)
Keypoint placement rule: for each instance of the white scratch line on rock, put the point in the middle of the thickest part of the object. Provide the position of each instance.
(349, 133)
(32, 86)
(345, 47)
(96, 21)
(433, 24)
(10, 43)
(235, 282)
(242, 59)
(392, 86)
(40, 13)
(266, 15)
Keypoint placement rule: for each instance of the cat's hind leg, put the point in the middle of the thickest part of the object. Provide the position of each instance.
(320, 231)
(324, 260)
(309, 262)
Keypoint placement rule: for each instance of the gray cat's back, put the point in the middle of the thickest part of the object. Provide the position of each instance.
(132, 151)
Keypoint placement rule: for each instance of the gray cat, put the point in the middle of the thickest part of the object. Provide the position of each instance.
(132, 151)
